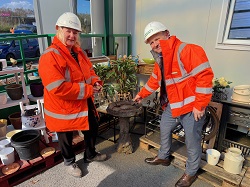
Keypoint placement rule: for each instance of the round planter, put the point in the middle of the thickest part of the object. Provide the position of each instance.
(36, 89)
(16, 120)
(14, 91)
(26, 144)
(32, 121)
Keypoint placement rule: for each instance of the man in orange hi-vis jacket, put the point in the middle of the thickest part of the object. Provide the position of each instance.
(183, 73)
(69, 84)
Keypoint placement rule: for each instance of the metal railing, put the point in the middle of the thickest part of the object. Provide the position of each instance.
(24, 60)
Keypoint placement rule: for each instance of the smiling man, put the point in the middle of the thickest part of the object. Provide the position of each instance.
(183, 73)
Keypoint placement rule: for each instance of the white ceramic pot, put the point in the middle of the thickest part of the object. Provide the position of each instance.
(241, 94)
(233, 161)
(7, 155)
(32, 121)
(4, 143)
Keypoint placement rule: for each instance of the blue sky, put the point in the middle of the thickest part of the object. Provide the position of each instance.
(16, 4)
(83, 5)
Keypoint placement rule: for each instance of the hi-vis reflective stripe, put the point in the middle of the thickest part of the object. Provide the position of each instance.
(154, 75)
(55, 84)
(195, 71)
(51, 49)
(204, 90)
(66, 116)
(183, 71)
(67, 75)
(88, 81)
(82, 90)
(182, 103)
(148, 88)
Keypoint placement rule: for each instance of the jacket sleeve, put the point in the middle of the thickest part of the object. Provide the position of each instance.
(202, 74)
(94, 78)
(53, 72)
(152, 84)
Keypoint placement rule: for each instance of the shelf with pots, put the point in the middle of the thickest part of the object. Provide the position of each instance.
(13, 101)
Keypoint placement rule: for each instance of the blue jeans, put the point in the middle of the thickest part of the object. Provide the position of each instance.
(193, 130)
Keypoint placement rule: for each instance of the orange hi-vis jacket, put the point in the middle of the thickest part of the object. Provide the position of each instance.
(67, 85)
(187, 75)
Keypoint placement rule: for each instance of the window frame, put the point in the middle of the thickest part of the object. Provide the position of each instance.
(224, 27)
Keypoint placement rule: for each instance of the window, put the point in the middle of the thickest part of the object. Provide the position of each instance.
(234, 28)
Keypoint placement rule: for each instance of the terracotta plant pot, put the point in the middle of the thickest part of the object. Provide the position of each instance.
(14, 91)
(36, 89)
(16, 120)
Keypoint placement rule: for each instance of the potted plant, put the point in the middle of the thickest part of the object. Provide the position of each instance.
(219, 88)
(119, 77)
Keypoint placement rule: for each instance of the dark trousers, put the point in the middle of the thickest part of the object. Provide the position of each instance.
(65, 141)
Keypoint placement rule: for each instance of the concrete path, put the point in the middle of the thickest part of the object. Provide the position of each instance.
(119, 170)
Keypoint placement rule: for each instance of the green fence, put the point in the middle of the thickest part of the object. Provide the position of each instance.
(24, 61)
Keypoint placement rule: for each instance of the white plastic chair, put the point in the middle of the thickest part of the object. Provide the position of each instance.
(53, 134)
(42, 127)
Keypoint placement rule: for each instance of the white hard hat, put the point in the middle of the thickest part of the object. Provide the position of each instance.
(69, 20)
(153, 28)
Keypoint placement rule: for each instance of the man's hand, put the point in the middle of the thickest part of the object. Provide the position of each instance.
(137, 99)
(198, 114)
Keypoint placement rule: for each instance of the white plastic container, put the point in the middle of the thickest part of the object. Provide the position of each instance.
(233, 161)
(241, 94)
(213, 156)
(7, 155)
(4, 143)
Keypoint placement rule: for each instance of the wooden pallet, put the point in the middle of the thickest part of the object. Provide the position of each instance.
(246, 179)
(33, 167)
(215, 175)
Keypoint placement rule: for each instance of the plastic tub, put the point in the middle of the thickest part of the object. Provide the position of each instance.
(4, 143)
(7, 155)
(213, 156)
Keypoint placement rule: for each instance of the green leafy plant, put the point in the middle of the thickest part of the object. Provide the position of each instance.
(124, 73)
(119, 75)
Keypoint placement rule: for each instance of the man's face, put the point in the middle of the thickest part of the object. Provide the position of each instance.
(154, 41)
(70, 36)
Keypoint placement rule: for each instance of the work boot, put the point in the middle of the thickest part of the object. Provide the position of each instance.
(98, 157)
(74, 170)
(185, 180)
